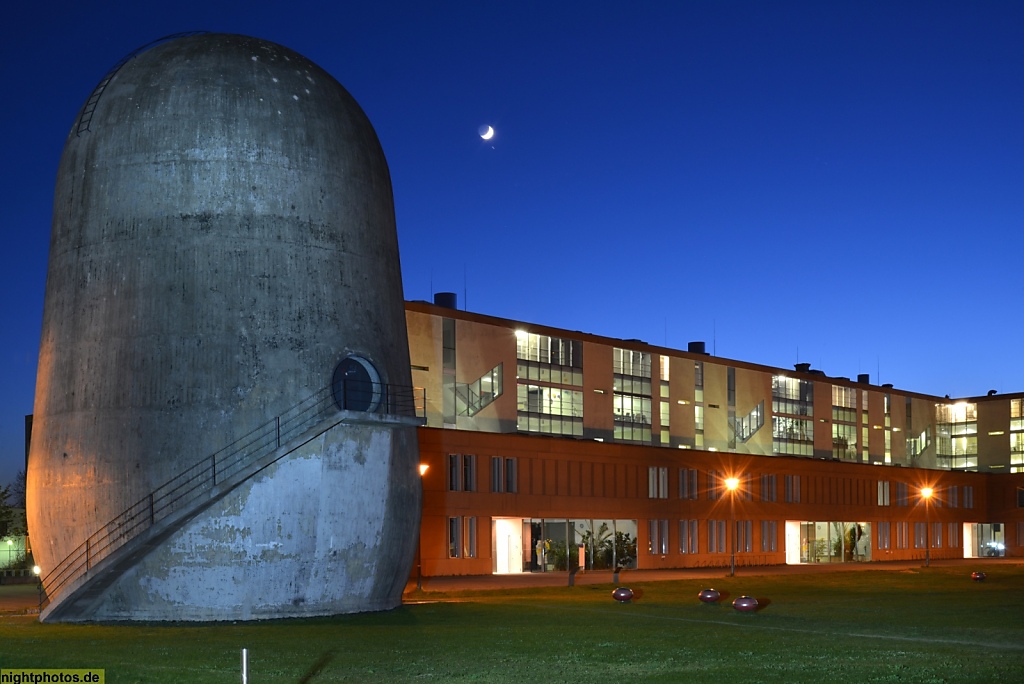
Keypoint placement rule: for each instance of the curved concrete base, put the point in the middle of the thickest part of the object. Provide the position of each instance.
(329, 529)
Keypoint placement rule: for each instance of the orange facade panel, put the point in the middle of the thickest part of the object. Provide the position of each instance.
(565, 482)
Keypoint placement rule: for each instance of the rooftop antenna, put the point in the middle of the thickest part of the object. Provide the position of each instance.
(465, 289)
(666, 331)
(714, 337)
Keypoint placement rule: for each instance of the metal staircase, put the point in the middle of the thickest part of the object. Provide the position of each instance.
(93, 565)
(473, 397)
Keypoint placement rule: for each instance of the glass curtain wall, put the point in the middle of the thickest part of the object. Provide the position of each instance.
(835, 542)
(560, 544)
(957, 435)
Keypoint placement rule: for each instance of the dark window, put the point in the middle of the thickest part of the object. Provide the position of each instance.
(356, 385)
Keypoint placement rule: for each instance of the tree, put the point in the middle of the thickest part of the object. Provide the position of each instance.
(18, 490)
(6, 512)
(12, 507)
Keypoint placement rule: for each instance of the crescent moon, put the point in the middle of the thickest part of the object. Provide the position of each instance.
(486, 132)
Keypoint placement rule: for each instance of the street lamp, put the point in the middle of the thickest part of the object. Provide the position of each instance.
(732, 483)
(37, 571)
(926, 494)
(424, 467)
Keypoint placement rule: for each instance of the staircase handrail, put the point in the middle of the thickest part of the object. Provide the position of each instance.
(184, 488)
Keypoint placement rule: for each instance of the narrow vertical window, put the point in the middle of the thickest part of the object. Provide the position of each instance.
(511, 475)
(714, 485)
(657, 483)
(657, 542)
(454, 538)
(792, 485)
(744, 529)
(769, 529)
(468, 473)
(687, 483)
(469, 542)
(503, 474)
(497, 473)
(688, 536)
(882, 533)
(453, 472)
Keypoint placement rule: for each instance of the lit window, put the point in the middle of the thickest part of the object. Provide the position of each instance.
(657, 483)
(657, 542)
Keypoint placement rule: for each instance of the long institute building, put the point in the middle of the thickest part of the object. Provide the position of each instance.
(548, 450)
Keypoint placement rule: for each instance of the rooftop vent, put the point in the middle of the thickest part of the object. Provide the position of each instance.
(695, 347)
(802, 367)
(448, 300)
(864, 377)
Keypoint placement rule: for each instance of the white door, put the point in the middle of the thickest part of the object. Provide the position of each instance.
(508, 545)
(968, 540)
(792, 542)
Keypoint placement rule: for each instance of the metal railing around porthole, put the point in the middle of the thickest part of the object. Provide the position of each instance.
(243, 457)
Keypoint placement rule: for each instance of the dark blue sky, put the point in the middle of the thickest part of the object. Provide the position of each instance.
(839, 183)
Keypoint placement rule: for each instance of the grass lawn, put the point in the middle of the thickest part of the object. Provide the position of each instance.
(932, 625)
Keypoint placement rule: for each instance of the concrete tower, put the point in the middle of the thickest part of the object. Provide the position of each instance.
(223, 248)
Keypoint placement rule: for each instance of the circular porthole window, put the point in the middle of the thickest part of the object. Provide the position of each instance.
(356, 385)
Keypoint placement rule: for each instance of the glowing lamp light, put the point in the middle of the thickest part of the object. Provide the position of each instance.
(732, 484)
(926, 494)
(423, 469)
(36, 570)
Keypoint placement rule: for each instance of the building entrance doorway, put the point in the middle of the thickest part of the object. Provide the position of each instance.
(556, 545)
(827, 542)
(507, 545)
(984, 540)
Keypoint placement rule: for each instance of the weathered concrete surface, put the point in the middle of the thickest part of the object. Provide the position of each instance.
(223, 236)
(303, 538)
